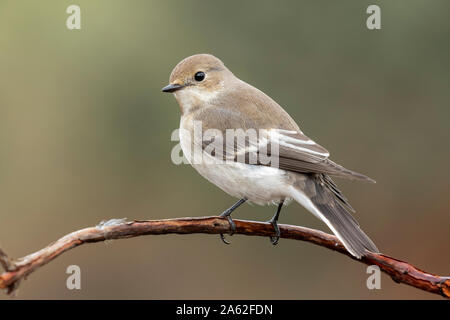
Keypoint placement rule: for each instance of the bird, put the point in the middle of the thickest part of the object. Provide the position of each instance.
(212, 98)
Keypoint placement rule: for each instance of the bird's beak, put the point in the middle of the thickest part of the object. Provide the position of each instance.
(172, 87)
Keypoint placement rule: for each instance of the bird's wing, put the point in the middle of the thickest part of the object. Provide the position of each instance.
(295, 145)
(286, 149)
(298, 153)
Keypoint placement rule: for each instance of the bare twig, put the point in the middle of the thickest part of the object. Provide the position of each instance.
(401, 272)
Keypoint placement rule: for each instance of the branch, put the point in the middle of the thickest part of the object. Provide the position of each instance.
(401, 272)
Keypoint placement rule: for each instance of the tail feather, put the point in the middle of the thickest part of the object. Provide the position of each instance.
(319, 194)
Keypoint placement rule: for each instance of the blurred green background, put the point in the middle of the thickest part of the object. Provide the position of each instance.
(85, 136)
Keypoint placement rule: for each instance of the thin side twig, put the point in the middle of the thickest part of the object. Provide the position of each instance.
(400, 271)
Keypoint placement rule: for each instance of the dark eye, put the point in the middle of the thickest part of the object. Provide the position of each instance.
(199, 76)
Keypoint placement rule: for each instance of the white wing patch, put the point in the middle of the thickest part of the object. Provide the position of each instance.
(298, 142)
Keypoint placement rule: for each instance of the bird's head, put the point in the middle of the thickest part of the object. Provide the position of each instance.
(197, 79)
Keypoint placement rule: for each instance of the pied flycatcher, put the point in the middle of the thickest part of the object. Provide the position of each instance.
(211, 96)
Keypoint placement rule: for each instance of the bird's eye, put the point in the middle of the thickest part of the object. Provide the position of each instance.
(199, 76)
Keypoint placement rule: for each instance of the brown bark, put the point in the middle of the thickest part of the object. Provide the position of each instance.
(401, 272)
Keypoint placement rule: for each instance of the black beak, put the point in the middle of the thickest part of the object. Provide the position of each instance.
(172, 87)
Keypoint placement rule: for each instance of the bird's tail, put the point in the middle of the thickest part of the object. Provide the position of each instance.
(320, 196)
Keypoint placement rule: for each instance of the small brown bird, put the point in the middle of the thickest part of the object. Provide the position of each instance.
(211, 96)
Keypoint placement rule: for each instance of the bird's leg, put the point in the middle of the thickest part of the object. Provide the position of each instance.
(227, 214)
(274, 223)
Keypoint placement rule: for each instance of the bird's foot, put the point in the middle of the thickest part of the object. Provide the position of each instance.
(227, 215)
(274, 240)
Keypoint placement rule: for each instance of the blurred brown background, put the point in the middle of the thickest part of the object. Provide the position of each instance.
(85, 136)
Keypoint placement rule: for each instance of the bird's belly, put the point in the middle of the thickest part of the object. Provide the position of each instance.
(258, 184)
